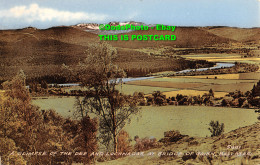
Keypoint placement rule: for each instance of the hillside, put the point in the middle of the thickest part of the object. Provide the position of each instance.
(186, 37)
(247, 139)
(41, 52)
(237, 34)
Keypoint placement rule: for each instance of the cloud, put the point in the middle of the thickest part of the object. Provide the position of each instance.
(34, 13)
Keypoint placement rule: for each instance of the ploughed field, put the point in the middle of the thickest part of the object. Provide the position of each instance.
(221, 84)
(198, 85)
(223, 58)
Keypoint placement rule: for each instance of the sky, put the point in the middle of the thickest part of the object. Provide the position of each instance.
(15, 14)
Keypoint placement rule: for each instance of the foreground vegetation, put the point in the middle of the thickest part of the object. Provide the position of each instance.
(31, 131)
(240, 146)
(26, 130)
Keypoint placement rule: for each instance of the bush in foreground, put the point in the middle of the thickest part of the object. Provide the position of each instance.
(216, 128)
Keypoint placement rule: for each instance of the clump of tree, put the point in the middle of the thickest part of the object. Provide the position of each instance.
(145, 143)
(233, 99)
(24, 128)
(159, 98)
(244, 100)
(139, 98)
(216, 128)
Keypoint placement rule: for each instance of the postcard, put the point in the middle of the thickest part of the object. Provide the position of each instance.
(129, 82)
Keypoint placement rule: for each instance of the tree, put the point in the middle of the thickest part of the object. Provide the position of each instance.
(256, 89)
(19, 119)
(86, 133)
(44, 85)
(7, 146)
(159, 98)
(24, 128)
(86, 138)
(224, 103)
(99, 75)
(211, 93)
(216, 128)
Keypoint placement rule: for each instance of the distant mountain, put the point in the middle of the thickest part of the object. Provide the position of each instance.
(87, 26)
(94, 27)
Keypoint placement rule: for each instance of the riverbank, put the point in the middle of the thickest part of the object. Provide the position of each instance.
(219, 68)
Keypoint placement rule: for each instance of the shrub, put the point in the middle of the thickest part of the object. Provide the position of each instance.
(124, 142)
(145, 143)
(171, 136)
(216, 128)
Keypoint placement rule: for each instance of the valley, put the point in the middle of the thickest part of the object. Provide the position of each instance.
(206, 74)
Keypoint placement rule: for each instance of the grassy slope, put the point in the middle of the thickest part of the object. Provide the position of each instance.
(247, 137)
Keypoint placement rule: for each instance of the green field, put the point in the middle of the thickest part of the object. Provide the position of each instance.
(155, 120)
(189, 120)
(62, 105)
(200, 84)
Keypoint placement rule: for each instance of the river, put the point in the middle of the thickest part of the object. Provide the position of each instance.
(217, 66)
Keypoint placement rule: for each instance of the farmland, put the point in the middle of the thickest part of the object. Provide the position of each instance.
(224, 58)
(201, 83)
(154, 120)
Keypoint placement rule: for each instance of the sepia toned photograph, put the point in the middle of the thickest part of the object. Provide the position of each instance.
(140, 82)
